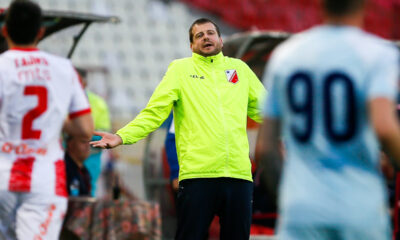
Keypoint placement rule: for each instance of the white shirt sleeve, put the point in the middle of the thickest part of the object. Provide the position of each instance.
(384, 76)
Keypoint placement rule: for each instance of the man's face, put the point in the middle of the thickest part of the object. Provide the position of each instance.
(206, 41)
(79, 149)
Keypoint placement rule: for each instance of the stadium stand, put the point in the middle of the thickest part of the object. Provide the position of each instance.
(296, 15)
(152, 33)
(130, 58)
(137, 51)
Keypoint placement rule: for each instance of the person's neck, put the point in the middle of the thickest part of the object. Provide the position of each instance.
(21, 46)
(354, 20)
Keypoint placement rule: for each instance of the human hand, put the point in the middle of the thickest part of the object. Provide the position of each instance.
(108, 140)
(175, 184)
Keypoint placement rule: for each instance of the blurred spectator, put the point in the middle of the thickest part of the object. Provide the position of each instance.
(78, 177)
(101, 118)
(172, 157)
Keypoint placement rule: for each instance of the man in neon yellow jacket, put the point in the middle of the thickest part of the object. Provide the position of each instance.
(211, 96)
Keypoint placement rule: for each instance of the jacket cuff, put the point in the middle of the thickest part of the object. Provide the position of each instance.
(174, 173)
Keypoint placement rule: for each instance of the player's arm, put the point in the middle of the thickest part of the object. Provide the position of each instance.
(382, 113)
(382, 91)
(81, 126)
(268, 153)
(80, 122)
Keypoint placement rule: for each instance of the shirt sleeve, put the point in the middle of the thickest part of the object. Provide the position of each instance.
(256, 93)
(156, 111)
(79, 103)
(384, 76)
(270, 106)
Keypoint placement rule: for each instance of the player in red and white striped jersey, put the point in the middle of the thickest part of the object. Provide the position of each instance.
(37, 93)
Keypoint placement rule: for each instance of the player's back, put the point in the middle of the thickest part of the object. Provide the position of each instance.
(37, 91)
(323, 79)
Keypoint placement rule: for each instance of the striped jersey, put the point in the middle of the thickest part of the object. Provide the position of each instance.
(38, 91)
(320, 82)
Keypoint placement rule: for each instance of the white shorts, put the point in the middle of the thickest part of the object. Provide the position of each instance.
(31, 216)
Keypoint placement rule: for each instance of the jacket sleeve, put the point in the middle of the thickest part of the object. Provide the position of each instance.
(156, 111)
(257, 93)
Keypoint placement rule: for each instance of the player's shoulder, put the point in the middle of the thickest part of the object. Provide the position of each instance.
(55, 59)
(62, 65)
(378, 45)
(4, 58)
(7, 57)
(294, 42)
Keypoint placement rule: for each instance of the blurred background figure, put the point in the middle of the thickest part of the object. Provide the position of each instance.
(38, 92)
(172, 156)
(102, 122)
(333, 104)
(78, 177)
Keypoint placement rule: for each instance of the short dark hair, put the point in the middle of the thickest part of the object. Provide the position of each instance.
(23, 21)
(202, 21)
(342, 7)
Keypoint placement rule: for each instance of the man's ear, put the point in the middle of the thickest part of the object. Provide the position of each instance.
(4, 31)
(191, 46)
(41, 32)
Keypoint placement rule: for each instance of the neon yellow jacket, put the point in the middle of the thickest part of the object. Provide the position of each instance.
(210, 115)
(100, 114)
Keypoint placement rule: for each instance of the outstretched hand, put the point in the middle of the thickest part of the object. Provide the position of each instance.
(108, 140)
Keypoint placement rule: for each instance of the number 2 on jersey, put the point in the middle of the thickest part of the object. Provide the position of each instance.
(306, 110)
(27, 122)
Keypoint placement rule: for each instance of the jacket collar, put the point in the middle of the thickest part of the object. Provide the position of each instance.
(216, 59)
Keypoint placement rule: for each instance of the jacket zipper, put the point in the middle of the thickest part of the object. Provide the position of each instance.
(223, 118)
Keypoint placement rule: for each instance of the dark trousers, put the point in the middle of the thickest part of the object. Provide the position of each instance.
(199, 200)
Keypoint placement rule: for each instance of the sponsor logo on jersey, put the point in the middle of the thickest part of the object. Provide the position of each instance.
(45, 225)
(22, 149)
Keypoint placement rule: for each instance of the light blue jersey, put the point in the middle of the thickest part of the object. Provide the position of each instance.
(319, 83)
